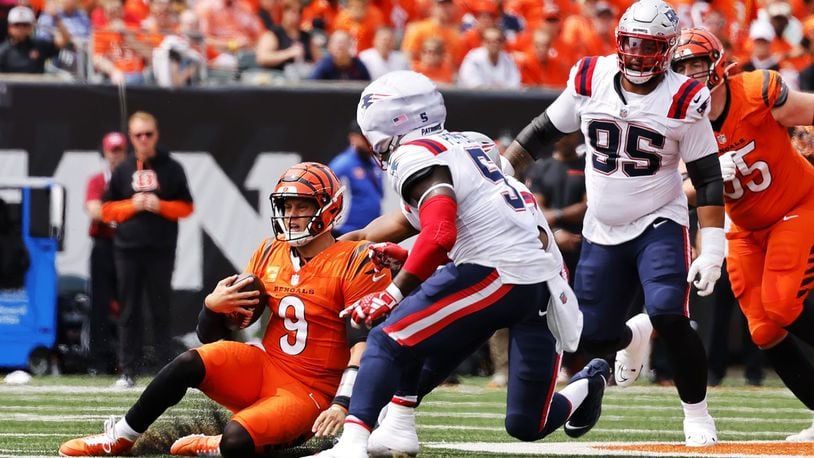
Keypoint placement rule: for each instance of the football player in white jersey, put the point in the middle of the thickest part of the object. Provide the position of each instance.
(457, 200)
(640, 119)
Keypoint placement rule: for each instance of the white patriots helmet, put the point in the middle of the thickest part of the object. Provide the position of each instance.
(645, 38)
(396, 104)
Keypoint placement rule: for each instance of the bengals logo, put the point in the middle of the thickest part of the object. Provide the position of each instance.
(145, 181)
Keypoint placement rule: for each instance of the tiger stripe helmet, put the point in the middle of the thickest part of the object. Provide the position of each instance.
(307, 180)
(699, 42)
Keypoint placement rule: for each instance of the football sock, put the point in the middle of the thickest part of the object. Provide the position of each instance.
(166, 389)
(699, 409)
(575, 393)
(354, 434)
(794, 369)
(124, 430)
(687, 355)
(803, 326)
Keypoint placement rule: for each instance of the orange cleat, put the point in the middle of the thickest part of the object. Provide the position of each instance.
(196, 445)
(104, 444)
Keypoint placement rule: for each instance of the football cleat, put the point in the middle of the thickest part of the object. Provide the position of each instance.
(338, 451)
(396, 435)
(597, 372)
(806, 435)
(124, 382)
(700, 432)
(104, 444)
(196, 445)
(630, 360)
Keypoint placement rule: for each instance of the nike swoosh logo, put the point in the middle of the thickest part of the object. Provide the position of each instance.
(378, 277)
(574, 428)
(786, 218)
(696, 99)
(656, 225)
(541, 312)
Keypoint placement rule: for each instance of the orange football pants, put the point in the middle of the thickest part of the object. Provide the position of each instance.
(273, 406)
(771, 271)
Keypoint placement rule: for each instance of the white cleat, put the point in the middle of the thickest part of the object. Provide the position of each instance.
(806, 435)
(630, 360)
(700, 432)
(396, 435)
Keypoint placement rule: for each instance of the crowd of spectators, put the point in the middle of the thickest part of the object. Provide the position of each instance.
(471, 43)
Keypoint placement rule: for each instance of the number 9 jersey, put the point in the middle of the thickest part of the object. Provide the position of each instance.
(305, 334)
(634, 144)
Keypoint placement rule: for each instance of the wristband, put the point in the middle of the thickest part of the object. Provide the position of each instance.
(345, 389)
(713, 241)
(394, 291)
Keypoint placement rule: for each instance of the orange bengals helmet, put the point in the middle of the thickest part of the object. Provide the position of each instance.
(307, 180)
(698, 42)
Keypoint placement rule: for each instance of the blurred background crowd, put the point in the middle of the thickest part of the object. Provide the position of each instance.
(502, 44)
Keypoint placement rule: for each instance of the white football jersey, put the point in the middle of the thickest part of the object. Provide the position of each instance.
(495, 227)
(634, 144)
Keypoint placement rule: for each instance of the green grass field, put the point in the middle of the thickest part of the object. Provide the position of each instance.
(461, 421)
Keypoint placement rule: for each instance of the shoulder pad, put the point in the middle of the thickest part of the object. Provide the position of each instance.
(691, 97)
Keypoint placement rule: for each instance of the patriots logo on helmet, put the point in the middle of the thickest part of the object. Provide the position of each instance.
(369, 99)
(671, 15)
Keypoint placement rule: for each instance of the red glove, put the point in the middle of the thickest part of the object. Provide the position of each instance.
(387, 255)
(373, 306)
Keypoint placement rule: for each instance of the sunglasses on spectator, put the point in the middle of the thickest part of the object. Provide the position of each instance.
(148, 134)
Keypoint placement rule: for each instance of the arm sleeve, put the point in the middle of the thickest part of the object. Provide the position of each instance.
(117, 211)
(705, 174)
(175, 209)
(211, 326)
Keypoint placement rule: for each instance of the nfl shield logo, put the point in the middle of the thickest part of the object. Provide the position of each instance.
(563, 297)
(623, 112)
(721, 139)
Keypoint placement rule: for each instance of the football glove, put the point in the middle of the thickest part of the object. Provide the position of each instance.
(707, 266)
(387, 255)
(372, 307)
(728, 167)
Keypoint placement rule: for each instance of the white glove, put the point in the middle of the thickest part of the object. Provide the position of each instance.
(563, 316)
(728, 167)
(707, 266)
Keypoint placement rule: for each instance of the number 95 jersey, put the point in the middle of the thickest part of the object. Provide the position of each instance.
(495, 229)
(634, 144)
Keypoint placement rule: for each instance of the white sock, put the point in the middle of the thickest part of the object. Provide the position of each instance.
(353, 434)
(697, 410)
(575, 393)
(124, 430)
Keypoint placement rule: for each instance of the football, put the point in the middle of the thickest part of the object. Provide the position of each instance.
(235, 321)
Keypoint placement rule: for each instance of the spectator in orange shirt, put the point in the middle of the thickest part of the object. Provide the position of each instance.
(552, 25)
(319, 14)
(541, 65)
(122, 56)
(432, 62)
(442, 25)
(162, 18)
(361, 20)
(229, 27)
(486, 15)
(109, 14)
(592, 32)
(136, 11)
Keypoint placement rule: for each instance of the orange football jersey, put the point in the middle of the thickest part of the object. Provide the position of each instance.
(771, 177)
(305, 331)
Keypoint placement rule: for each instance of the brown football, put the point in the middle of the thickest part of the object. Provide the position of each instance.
(235, 321)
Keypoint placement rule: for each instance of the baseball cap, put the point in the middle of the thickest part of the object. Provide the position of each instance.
(761, 30)
(114, 140)
(21, 15)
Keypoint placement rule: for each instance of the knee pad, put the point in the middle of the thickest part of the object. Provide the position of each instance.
(783, 312)
(236, 441)
(765, 335)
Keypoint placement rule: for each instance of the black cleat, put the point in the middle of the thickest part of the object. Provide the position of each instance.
(587, 414)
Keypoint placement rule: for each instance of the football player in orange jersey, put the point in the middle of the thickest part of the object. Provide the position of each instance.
(276, 392)
(769, 196)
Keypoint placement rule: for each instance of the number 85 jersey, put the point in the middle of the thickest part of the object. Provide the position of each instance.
(634, 144)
